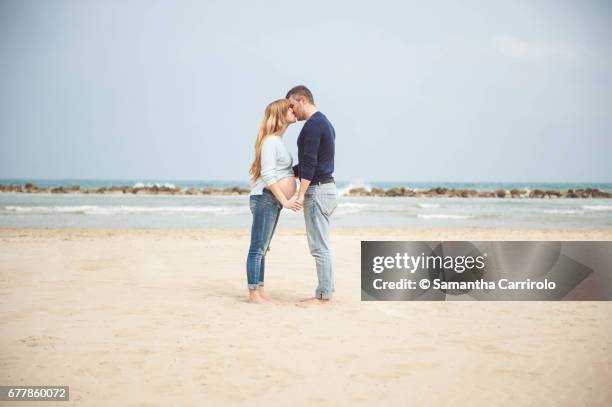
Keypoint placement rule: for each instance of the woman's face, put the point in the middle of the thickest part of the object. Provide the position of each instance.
(290, 117)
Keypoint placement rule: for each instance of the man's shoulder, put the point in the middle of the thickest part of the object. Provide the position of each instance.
(322, 123)
(318, 116)
(317, 120)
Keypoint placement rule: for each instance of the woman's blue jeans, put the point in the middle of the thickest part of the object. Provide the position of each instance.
(266, 210)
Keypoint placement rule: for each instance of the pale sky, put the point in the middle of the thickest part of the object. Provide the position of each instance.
(417, 91)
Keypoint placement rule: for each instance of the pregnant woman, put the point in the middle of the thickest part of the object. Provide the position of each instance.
(273, 185)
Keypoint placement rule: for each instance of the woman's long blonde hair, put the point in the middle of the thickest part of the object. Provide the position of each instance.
(274, 121)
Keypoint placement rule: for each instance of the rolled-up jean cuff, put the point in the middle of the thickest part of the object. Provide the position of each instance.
(254, 286)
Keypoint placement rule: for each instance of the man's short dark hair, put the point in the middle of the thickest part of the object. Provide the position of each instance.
(300, 90)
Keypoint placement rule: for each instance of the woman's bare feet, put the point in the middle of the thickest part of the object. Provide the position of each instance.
(255, 298)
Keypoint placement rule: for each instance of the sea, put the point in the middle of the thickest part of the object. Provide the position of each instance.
(47, 210)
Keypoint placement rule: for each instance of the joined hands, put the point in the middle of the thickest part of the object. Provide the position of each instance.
(295, 204)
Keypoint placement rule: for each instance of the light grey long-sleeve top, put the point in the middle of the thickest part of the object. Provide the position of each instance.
(276, 163)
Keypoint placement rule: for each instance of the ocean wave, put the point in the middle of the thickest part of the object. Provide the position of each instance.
(51, 209)
(442, 216)
(156, 184)
(341, 212)
(597, 207)
(348, 208)
(562, 211)
(124, 209)
(427, 206)
(353, 205)
(344, 191)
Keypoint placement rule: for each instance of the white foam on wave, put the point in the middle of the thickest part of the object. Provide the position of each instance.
(347, 211)
(442, 216)
(562, 211)
(597, 207)
(427, 206)
(348, 208)
(126, 209)
(344, 191)
(352, 205)
(51, 209)
(151, 185)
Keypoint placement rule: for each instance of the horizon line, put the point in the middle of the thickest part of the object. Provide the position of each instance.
(246, 181)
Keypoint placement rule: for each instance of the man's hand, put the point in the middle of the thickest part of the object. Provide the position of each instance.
(298, 204)
(304, 184)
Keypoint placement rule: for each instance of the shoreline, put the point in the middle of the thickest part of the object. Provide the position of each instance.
(417, 233)
(437, 192)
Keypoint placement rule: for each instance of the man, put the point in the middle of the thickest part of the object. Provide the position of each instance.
(317, 194)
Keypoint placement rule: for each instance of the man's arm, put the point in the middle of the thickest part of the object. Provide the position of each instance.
(310, 151)
(298, 203)
(308, 164)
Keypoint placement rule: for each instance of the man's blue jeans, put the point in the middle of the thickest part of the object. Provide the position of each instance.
(320, 201)
(266, 211)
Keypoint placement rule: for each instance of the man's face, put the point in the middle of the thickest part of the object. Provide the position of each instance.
(297, 105)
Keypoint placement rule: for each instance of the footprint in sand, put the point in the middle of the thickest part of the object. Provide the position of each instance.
(344, 360)
(44, 341)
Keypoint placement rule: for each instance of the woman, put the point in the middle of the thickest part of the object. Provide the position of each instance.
(273, 184)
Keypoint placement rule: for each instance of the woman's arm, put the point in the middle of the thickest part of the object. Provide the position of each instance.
(268, 172)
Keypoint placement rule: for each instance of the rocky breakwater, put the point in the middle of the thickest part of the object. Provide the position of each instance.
(471, 193)
(391, 192)
(120, 190)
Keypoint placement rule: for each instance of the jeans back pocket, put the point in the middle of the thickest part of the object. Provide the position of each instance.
(328, 202)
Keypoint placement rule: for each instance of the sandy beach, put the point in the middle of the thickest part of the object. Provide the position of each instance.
(130, 317)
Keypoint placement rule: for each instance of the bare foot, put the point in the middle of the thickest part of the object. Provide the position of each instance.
(255, 298)
(312, 302)
(263, 295)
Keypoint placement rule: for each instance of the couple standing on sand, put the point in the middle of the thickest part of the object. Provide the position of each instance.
(273, 187)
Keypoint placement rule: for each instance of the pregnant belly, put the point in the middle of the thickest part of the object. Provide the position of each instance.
(287, 186)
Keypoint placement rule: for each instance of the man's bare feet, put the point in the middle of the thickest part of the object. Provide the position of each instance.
(312, 302)
(255, 298)
(263, 294)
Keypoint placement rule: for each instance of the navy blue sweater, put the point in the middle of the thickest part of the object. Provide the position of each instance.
(316, 147)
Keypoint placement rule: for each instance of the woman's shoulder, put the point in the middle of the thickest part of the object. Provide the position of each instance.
(272, 139)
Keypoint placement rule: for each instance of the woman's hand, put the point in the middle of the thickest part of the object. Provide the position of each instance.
(280, 197)
(288, 204)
